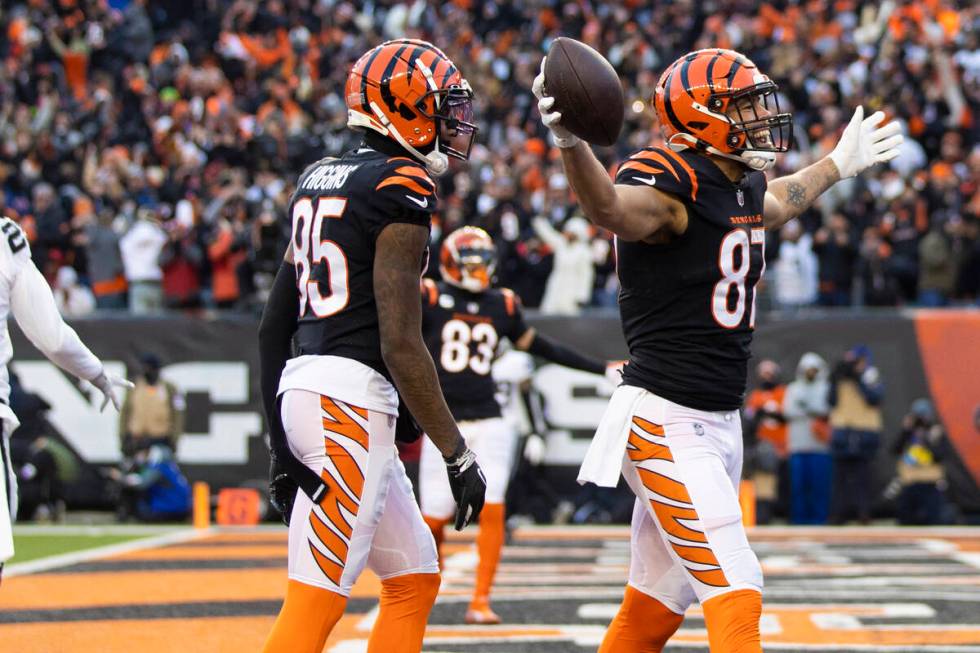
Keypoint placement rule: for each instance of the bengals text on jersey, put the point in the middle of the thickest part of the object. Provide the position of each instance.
(688, 305)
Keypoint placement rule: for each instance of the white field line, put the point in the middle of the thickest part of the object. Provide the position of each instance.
(75, 557)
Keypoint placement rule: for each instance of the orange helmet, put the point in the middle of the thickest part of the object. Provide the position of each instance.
(468, 259)
(693, 98)
(411, 92)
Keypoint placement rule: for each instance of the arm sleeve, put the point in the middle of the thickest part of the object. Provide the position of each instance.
(34, 308)
(275, 347)
(555, 352)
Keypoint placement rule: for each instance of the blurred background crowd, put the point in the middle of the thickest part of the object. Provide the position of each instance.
(149, 149)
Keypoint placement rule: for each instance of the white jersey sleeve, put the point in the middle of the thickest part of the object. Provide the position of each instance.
(34, 308)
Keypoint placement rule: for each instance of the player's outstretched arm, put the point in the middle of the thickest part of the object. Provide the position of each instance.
(36, 313)
(630, 212)
(551, 350)
(398, 254)
(863, 144)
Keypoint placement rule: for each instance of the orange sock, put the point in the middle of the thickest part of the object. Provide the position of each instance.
(732, 620)
(307, 616)
(642, 625)
(438, 528)
(405, 605)
(489, 545)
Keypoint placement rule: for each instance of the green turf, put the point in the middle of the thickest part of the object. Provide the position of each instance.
(33, 546)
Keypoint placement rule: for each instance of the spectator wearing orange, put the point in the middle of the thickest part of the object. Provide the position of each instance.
(767, 432)
(226, 253)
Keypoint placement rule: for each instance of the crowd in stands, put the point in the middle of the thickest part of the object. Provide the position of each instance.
(149, 149)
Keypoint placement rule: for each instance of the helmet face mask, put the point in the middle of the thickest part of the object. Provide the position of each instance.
(468, 259)
(453, 117)
(751, 130)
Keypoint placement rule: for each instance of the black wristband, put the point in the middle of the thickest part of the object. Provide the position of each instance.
(557, 353)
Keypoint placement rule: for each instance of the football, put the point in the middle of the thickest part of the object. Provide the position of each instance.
(586, 89)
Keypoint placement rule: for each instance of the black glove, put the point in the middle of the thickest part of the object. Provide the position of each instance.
(282, 490)
(468, 483)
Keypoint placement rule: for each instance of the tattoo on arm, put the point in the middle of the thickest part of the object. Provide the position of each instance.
(398, 255)
(798, 191)
(796, 195)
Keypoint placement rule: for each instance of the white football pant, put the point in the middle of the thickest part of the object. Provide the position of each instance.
(687, 541)
(369, 515)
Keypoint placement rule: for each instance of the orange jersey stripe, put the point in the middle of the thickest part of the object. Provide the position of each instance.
(410, 184)
(509, 301)
(653, 155)
(688, 169)
(429, 291)
(642, 167)
(414, 171)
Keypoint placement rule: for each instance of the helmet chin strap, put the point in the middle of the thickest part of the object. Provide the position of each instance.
(755, 159)
(435, 161)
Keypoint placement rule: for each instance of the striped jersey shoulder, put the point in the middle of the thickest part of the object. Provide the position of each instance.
(429, 290)
(403, 175)
(661, 168)
(512, 303)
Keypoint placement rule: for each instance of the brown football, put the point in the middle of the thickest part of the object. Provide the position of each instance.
(586, 89)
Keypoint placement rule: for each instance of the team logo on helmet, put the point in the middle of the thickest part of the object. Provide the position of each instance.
(697, 95)
(410, 91)
(468, 259)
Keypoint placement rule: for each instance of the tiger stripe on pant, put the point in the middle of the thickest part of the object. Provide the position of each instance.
(671, 502)
(332, 521)
(368, 516)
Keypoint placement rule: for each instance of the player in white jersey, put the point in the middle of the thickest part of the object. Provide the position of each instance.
(25, 294)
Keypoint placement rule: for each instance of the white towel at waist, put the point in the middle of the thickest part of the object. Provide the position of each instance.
(604, 459)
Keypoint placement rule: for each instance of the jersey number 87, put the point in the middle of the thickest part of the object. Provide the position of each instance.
(735, 276)
(307, 223)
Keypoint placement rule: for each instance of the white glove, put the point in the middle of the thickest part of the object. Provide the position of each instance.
(551, 119)
(863, 144)
(107, 383)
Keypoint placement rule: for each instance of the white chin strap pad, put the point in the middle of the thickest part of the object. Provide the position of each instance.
(436, 162)
(758, 160)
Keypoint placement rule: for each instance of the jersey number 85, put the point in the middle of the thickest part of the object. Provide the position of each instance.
(310, 250)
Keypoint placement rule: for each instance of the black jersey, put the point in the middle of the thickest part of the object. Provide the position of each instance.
(339, 208)
(463, 331)
(688, 305)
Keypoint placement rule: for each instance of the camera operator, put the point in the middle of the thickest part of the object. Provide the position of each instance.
(855, 397)
(921, 448)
